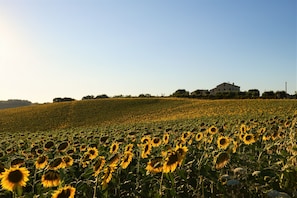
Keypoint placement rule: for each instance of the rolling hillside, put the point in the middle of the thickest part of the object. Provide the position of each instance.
(133, 110)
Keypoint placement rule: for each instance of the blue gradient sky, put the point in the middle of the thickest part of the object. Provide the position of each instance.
(73, 48)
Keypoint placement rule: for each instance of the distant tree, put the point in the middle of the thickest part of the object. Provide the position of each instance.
(144, 95)
(89, 97)
(102, 96)
(200, 93)
(268, 95)
(281, 94)
(66, 99)
(254, 93)
(182, 93)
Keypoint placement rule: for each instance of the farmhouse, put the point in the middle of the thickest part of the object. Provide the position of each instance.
(225, 88)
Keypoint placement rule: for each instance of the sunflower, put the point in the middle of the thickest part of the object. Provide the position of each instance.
(93, 153)
(223, 142)
(266, 136)
(63, 146)
(114, 148)
(65, 192)
(68, 160)
(98, 166)
(165, 138)
(14, 177)
(221, 160)
(171, 162)
(181, 153)
(234, 146)
(185, 136)
(213, 130)
(41, 162)
(126, 160)
(155, 165)
(129, 148)
(50, 179)
(113, 161)
(146, 140)
(261, 130)
(57, 164)
(156, 142)
(199, 136)
(249, 139)
(48, 145)
(17, 162)
(146, 150)
(83, 147)
(243, 128)
(107, 175)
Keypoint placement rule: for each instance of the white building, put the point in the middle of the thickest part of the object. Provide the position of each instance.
(225, 88)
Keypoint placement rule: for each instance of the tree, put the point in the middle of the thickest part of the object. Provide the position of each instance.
(268, 95)
(182, 93)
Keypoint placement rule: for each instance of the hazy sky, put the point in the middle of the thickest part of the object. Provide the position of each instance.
(74, 48)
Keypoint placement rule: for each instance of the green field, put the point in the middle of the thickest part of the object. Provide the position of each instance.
(155, 147)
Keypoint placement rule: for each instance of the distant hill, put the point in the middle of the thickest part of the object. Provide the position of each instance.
(118, 111)
(14, 103)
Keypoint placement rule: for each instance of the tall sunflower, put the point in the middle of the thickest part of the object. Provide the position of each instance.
(146, 139)
(68, 160)
(51, 179)
(113, 161)
(93, 153)
(212, 130)
(221, 160)
(155, 165)
(57, 164)
(249, 139)
(126, 160)
(107, 175)
(181, 153)
(14, 177)
(165, 138)
(98, 166)
(114, 148)
(156, 141)
(146, 150)
(41, 162)
(65, 192)
(171, 162)
(199, 136)
(223, 142)
(129, 148)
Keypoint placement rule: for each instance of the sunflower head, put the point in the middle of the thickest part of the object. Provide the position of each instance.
(249, 139)
(63, 146)
(93, 152)
(213, 130)
(221, 160)
(156, 141)
(155, 165)
(98, 166)
(223, 142)
(114, 148)
(57, 164)
(199, 136)
(50, 179)
(41, 162)
(165, 138)
(126, 160)
(67, 192)
(14, 177)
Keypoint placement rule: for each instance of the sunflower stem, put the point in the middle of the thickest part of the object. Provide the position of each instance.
(161, 181)
(95, 188)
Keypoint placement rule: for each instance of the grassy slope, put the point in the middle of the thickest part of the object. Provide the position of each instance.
(118, 111)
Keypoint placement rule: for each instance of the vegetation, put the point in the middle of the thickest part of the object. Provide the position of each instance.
(151, 147)
(14, 103)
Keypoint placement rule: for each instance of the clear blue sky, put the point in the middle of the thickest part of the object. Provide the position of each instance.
(73, 48)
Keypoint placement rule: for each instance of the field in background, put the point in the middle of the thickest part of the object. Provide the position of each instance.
(128, 111)
(150, 148)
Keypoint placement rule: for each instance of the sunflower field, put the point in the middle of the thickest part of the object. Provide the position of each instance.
(211, 156)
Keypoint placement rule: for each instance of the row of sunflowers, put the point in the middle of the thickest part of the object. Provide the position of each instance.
(184, 158)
